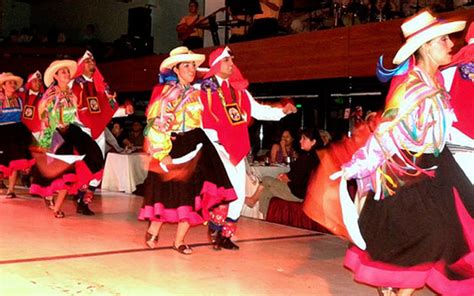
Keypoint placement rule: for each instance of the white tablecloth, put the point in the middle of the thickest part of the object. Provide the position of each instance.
(123, 172)
(260, 172)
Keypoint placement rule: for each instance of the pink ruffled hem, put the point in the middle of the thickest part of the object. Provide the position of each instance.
(16, 165)
(213, 196)
(385, 275)
(432, 274)
(67, 181)
(183, 213)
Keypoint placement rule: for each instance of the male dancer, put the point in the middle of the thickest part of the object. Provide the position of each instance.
(459, 81)
(96, 107)
(228, 107)
(31, 94)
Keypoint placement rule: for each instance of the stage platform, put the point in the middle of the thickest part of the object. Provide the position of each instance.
(105, 255)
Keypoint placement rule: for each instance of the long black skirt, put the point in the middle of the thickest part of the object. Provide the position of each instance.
(15, 140)
(424, 234)
(188, 191)
(48, 178)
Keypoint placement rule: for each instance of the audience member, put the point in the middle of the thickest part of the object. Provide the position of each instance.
(283, 148)
(114, 138)
(325, 137)
(135, 137)
(291, 186)
(90, 35)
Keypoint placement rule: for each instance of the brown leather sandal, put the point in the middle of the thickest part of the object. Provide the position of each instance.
(151, 240)
(59, 214)
(183, 249)
(10, 195)
(49, 202)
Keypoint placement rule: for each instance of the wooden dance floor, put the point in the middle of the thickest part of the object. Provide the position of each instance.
(105, 255)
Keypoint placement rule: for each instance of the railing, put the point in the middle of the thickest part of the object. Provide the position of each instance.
(336, 53)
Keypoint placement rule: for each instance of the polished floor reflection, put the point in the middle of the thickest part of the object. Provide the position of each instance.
(105, 255)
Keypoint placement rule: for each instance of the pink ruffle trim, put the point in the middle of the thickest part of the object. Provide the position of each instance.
(214, 196)
(67, 181)
(183, 213)
(432, 274)
(16, 165)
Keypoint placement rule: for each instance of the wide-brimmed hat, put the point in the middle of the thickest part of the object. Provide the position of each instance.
(179, 55)
(7, 76)
(422, 28)
(55, 66)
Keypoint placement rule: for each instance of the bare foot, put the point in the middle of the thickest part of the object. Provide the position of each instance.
(250, 201)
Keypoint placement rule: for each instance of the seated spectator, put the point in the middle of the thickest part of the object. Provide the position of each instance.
(25, 36)
(13, 37)
(284, 148)
(115, 138)
(325, 136)
(90, 35)
(135, 138)
(291, 186)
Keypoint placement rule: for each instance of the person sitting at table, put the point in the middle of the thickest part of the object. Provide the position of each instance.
(112, 143)
(284, 148)
(118, 132)
(135, 137)
(186, 178)
(291, 186)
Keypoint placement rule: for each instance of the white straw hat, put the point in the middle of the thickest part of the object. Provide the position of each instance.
(179, 55)
(422, 28)
(7, 76)
(55, 66)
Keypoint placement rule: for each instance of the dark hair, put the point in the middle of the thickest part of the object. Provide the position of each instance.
(193, 2)
(313, 134)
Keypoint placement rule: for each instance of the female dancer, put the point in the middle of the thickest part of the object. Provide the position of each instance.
(58, 109)
(16, 138)
(186, 178)
(417, 222)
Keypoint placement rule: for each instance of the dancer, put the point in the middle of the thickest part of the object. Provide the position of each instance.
(459, 81)
(416, 226)
(186, 178)
(31, 94)
(96, 107)
(59, 136)
(227, 110)
(14, 153)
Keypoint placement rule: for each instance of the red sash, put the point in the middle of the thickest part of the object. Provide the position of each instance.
(94, 109)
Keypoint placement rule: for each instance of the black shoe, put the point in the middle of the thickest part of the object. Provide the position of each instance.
(228, 244)
(10, 195)
(83, 209)
(215, 237)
